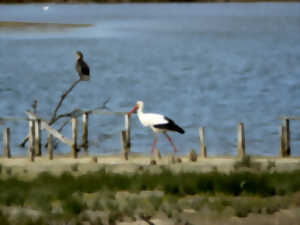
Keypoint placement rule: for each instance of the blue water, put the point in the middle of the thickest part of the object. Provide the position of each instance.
(211, 65)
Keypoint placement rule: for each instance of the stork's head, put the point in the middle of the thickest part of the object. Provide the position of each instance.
(138, 105)
(79, 55)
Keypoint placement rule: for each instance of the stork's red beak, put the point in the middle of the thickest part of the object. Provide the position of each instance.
(133, 110)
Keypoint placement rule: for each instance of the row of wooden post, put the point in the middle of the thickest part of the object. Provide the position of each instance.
(285, 149)
(241, 151)
(34, 148)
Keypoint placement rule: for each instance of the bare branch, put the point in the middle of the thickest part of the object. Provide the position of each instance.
(105, 103)
(63, 125)
(24, 141)
(74, 113)
(62, 97)
(103, 106)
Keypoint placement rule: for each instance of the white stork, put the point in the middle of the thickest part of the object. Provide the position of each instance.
(157, 122)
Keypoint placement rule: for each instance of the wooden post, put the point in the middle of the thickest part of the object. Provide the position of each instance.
(241, 140)
(85, 141)
(193, 156)
(127, 129)
(285, 148)
(74, 137)
(286, 123)
(282, 144)
(202, 143)
(31, 141)
(37, 137)
(50, 146)
(6, 142)
(157, 155)
(124, 144)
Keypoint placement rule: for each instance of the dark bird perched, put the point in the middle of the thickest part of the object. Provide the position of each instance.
(157, 122)
(82, 68)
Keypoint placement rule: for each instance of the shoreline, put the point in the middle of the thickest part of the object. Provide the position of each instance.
(38, 25)
(22, 167)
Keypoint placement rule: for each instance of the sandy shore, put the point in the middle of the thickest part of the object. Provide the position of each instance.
(136, 162)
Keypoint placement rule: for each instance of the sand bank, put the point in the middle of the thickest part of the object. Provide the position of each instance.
(136, 162)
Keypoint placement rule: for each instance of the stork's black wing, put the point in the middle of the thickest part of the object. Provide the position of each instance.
(171, 126)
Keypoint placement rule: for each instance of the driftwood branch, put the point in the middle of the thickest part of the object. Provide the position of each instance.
(53, 117)
(55, 143)
(77, 113)
(74, 113)
(62, 97)
(51, 130)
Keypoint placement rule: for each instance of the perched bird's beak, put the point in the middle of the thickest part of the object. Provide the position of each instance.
(133, 110)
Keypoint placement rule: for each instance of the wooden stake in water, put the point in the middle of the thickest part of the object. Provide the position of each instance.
(74, 137)
(31, 140)
(50, 146)
(124, 145)
(241, 140)
(125, 137)
(6, 142)
(202, 143)
(37, 136)
(285, 148)
(127, 128)
(85, 142)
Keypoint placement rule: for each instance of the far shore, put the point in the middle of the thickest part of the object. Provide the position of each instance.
(41, 26)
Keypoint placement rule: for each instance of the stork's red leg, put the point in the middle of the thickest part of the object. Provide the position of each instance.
(171, 142)
(154, 143)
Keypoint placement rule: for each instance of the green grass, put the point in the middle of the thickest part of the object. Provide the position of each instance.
(3, 219)
(73, 205)
(243, 192)
(182, 184)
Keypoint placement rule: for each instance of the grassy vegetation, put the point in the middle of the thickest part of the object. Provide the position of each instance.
(235, 183)
(60, 198)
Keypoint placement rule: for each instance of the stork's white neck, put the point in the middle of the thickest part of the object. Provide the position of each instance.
(140, 111)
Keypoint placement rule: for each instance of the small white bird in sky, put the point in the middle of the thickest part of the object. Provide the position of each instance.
(157, 122)
(45, 8)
